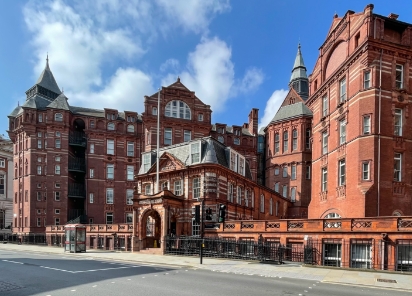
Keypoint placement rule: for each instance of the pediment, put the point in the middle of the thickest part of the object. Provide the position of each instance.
(168, 163)
(291, 98)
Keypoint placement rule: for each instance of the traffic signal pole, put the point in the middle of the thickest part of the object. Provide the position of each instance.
(202, 243)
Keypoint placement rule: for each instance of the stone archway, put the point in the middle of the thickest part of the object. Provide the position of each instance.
(150, 229)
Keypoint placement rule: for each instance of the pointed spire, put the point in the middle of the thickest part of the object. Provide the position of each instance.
(47, 80)
(47, 62)
(299, 78)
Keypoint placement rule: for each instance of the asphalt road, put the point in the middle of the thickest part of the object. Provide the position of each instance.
(27, 273)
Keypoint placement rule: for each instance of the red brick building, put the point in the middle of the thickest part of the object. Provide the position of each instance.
(360, 97)
(6, 183)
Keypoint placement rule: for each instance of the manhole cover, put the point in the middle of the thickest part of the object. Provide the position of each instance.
(5, 286)
(386, 281)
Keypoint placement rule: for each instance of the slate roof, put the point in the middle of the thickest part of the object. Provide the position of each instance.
(229, 130)
(47, 80)
(15, 111)
(299, 69)
(36, 102)
(292, 111)
(60, 103)
(212, 151)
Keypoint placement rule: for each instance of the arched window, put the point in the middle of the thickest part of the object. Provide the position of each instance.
(221, 139)
(110, 126)
(332, 215)
(271, 207)
(130, 128)
(236, 141)
(397, 213)
(262, 203)
(177, 109)
(58, 117)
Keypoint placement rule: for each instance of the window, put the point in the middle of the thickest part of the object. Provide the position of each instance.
(293, 172)
(294, 139)
(247, 197)
(196, 188)
(130, 128)
(39, 134)
(285, 191)
(110, 126)
(307, 139)
(57, 134)
(200, 117)
(91, 173)
(130, 149)
(110, 147)
(129, 218)
(293, 194)
(398, 122)
(285, 142)
(58, 117)
(195, 228)
(165, 186)
(38, 222)
(357, 38)
(239, 195)
(129, 196)
(110, 171)
(57, 211)
(2, 163)
(38, 196)
(57, 143)
(324, 179)
(365, 171)
(276, 171)
(154, 111)
(342, 169)
(45, 144)
(57, 169)
(40, 117)
(130, 173)
(178, 109)
(241, 166)
(91, 149)
(56, 221)
(276, 143)
(38, 159)
(277, 209)
(399, 76)
(366, 124)
(342, 132)
(109, 195)
(262, 203)
(91, 198)
(2, 184)
(57, 196)
(91, 123)
(195, 152)
(146, 162)
(109, 218)
(148, 189)
(230, 193)
(39, 169)
(361, 254)
(57, 159)
(308, 172)
(342, 88)
(285, 172)
(236, 141)
(187, 135)
(178, 187)
(277, 187)
(397, 167)
(367, 79)
(221, 139)
(271, 206)
(168, 136)
(325, 106)
(324, 143)
(39, 142)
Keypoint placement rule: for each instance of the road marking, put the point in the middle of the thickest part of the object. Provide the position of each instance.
(73, 290)
(13, 262)
(94, 286)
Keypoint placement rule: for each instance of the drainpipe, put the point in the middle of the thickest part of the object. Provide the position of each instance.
(379, 130)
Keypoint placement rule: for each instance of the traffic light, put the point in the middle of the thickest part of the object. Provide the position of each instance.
(197, 214)
(208, 214)
(222, 213)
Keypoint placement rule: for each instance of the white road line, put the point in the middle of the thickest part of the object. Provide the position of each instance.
(13, 262)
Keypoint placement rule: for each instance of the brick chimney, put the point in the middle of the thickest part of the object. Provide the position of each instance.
(253, 121)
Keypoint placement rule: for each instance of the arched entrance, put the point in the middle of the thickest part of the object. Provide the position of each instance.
(150, 231)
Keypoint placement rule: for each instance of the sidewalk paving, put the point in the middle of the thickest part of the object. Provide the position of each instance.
(321, 274)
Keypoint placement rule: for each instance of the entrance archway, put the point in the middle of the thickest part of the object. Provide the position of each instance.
(151, 232)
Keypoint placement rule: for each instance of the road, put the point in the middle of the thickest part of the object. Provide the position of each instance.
(28, 273)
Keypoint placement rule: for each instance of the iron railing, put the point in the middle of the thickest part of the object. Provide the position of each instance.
(77, 190)
(77, 164)
(77, 138)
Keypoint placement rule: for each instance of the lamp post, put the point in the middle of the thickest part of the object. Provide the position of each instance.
(157, 141)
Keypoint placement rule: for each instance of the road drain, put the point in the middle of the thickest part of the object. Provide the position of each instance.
(386, 281)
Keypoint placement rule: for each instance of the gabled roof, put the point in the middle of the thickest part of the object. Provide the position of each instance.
(292, 111)
(60, 103)
(36, 102)
(47, 80)
(15, 111)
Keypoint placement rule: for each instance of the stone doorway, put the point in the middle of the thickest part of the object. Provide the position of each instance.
(150, 232)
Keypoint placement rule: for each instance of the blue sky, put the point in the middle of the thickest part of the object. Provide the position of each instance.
(236, 55)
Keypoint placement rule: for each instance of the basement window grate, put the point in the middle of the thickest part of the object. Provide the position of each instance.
(386, 281)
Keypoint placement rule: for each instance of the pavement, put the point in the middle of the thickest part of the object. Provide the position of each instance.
(294, 271)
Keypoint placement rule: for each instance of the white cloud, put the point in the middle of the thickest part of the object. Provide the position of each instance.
(272, 106)
(171, 64)
(252, 80)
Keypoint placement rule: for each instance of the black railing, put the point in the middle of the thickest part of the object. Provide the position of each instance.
(77, 164)
(76, 190)
(76, 216)
(77, 138)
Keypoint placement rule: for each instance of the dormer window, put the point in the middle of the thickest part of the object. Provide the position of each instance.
(200, 117)
(220, 130)
(130, 118)
(154, 111)
(195, 152)
(58, 117)
(177, 109)
(237, 132)
(110, 126)
(113, 116)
